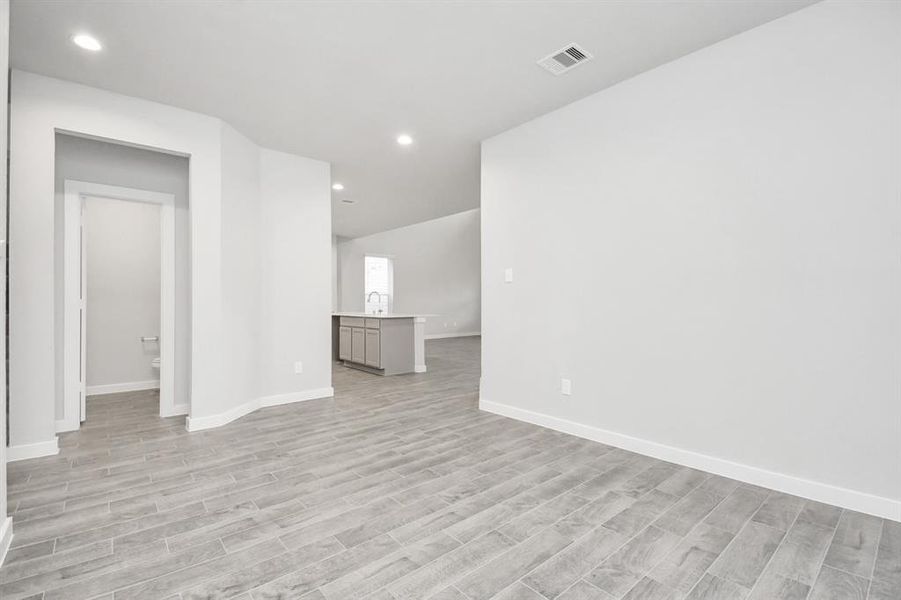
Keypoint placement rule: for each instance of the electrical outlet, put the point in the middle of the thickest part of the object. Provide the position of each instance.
(298, 367)
(566, 387)
(508, 275)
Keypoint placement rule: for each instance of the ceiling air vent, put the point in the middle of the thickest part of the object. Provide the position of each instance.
(564, 59)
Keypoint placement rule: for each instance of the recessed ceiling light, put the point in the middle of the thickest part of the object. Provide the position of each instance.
(88, 42)
(404, 139)
(338, 186)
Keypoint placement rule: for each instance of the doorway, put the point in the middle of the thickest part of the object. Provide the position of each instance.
(146, 345)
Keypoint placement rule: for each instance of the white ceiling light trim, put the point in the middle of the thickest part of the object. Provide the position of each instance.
(337, 186)
(404, 139)
(87, 42)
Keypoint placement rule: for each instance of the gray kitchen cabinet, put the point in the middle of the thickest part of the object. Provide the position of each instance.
(379, 344)
(373, 348)
(358, 345)
(344, 343)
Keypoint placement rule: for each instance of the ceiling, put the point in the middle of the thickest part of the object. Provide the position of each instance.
(338, 81)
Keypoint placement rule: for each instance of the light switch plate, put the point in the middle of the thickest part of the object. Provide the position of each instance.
(298, 367)
(508, 275)
(566, 387)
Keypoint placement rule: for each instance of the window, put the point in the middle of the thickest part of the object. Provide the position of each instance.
(379, 284)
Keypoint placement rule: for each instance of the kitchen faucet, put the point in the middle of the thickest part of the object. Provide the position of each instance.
(369, 299)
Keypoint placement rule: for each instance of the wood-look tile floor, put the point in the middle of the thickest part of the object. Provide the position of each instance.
(400, 489)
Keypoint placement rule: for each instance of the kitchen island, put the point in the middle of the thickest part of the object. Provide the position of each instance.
(382, 344)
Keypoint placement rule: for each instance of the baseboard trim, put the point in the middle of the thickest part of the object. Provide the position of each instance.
(6, 538)
(118, 388)
(813, 490)
(64, 425)
(26, 451)
(177, 411)
(442, 336)
(314, 394)
(200, 423)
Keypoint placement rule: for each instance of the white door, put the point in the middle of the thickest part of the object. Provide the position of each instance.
(82, 321)
(74, 317)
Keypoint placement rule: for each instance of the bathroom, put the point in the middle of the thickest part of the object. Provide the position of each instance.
(122, 298)
(122, 281)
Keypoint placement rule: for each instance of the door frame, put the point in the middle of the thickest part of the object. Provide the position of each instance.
(74, 359)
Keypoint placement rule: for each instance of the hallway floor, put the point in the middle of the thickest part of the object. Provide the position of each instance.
(399, 488)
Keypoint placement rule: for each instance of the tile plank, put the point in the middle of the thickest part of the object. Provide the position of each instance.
(801, 553)
(833, 584)
(686, 564)
(888, 556)
(745, 558)
(712, 587)
(736, 509)
(582, 590)
(504, 570)
(779, 511)
(569, 565)
(853, 549)
(450, 567)
(626, 567)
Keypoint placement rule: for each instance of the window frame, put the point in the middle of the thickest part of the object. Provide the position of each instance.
(385, 306)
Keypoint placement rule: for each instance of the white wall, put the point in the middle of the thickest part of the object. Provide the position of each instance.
(436, 271)
(40, 107)
(5, 522)
(709, 251)
(296, 276)
(122, 260)
(335, 303)
(276, 219)
(241, 252)
(99, 161)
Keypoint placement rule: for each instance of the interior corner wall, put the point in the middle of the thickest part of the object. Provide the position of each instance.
(98, 161)
(709, 252)
(295, 262)
(240, 272)
(436, 271)
(335, 303)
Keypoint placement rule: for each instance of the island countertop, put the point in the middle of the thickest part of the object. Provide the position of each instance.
(377, 316)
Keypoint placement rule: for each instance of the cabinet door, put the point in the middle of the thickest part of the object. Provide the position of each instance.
(373, 348)
(344, 343)
(358, 345)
